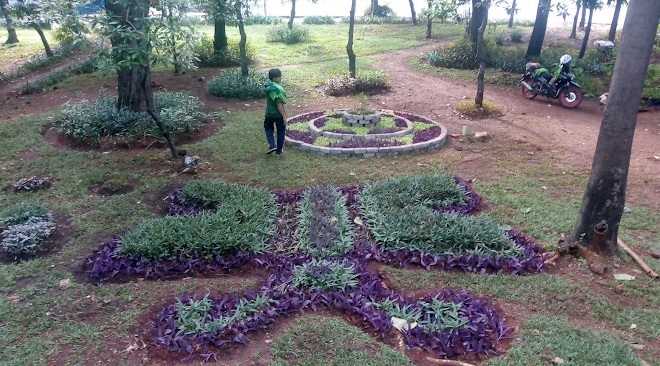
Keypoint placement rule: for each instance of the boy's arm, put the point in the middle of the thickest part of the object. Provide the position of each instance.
(280, 108)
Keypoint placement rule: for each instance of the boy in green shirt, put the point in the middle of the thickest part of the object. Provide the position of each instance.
(275, 114)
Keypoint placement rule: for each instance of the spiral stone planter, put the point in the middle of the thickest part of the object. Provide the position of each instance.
(360, 120)
(399, 133)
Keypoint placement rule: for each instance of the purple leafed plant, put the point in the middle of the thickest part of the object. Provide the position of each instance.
(427, 134)
(175, 205)
(302, 136)
(306, 117)
(414, 118)
(319, 123)
(400, 122)
(365, 143)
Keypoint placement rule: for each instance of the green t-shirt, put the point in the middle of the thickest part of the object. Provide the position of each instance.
(275, 95)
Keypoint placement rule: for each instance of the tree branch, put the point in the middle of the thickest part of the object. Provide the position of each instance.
(639, 260)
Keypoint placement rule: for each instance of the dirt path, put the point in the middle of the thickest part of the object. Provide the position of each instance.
(570, 135)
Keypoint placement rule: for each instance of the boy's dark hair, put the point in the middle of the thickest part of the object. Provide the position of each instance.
(274, 73)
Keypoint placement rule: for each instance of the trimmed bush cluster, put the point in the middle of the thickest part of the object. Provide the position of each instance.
(324, 228)
(231, 56)
(231, 84)
(319, 19)
(255, 19)
(25, 228)
(394, 208)
(88, 122)
(238, 219)
(377, 20)
(32, 184)
(364, 81)
(282, 34)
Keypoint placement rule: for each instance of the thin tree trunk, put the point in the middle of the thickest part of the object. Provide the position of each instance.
(475, 21)
(615, 20)
(49, 52)
(513, 12)
(11, 30)
(175, 53)
(587, 32)
(604, 198)
(243, 41)
(540, 25)
(583, 18)
(150, 106)
(265, 12)
(481, 56)
(429, 21)
(575, 20)
(412, 12)
(349, 46)
(219, 27)
(293, 13)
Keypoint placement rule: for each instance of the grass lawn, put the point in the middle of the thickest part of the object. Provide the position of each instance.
(51, 315)
(30, 44)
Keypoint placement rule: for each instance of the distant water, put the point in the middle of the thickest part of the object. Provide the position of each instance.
(340, 8)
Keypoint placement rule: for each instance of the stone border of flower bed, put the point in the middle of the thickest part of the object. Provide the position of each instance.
(346, 136)
(369, 152)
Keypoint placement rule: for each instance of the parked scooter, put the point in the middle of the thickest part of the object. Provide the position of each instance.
(560, 85)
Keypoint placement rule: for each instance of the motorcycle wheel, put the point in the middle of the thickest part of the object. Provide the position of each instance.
(570, 97)
(530, 94)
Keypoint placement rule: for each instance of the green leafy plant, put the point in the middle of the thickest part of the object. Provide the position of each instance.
(229, 57)
(231, 84)
(440, 315)
(319, 19)
(362, 108)
(326, 275)
(364, 81)
(516, 35)
(25, 228)
(282, 33)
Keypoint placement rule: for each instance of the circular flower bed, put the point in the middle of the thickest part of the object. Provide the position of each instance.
(396, 133)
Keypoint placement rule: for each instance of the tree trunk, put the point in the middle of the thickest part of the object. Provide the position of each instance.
(349, 46)
(575, 20)
(604, 197)
(615, 20)
(293, 13)
(11, 30)
(219, 27)
(475, 21)
(587, 32)
(584, 14)
(175, 53)
(429, 21)
(412, 12)
(134, 90)
(49, 52)
(265, 12)
(540, 25)
(481, 56)
(243, 41)
(513, 12)
(374, 7)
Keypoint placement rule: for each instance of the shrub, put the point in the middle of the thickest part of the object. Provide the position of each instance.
(325, 275)
(469, 108)
(255, 20)
(378, 20)
(25, 228)
(324, 228)
(241, 219)
(87, 122)
(499, 39)
(381, 11)
(365, 81)
(282, 33)
(516, 35)
(231, 84)
(458, 55)
(319, 19)
(33, 183)
(231, 56)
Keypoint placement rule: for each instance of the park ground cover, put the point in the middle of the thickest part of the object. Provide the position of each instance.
(53, 313)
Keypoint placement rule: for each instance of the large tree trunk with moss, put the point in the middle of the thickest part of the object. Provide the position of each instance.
(11, 30)
(293, 13)
(604, 199)
(481, 56)
(587, 32)
(615, 20)
(478, 10)
(243, 42)
(134, 90)
(583, 17)
(349, 46)
(49, 52)
(219, 27)
(575, 20)
(429, 21)
(513, 12)
(540, 25)
(412, 12)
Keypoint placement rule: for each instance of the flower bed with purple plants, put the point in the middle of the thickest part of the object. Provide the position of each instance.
(325, 133)
(317, 253)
